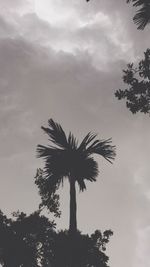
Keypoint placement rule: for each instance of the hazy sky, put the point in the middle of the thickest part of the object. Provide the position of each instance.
(63, 59)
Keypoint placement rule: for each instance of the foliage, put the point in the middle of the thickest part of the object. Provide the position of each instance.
(137, 79)
(25, 240)
(80, 250)
(142, 16)
(47, 192)
(32, 241)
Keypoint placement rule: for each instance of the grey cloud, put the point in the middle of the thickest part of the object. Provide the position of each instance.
(101, 40)
(15, 5)
(38, 82)
(5, 28)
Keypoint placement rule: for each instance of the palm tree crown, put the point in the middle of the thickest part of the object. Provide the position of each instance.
(142, 16)
(65, 158)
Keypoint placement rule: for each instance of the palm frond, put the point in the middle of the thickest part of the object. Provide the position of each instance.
(45, 151)
(142, 16)
(88, 170)
(82, 185)
(56, 134)
(138, 2)
(72, 141)
(103, 148)
(86, 141)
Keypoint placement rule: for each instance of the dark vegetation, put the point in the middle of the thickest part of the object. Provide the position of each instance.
(32, 240)
(25, 240)
(65, 158)
(137, 80)
(142, 16)
(81, 250)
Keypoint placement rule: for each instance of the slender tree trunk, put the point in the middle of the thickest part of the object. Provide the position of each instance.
(73, 207)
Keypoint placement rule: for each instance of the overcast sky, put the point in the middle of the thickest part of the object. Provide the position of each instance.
(63, 59)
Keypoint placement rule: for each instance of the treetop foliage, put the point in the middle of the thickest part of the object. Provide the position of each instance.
(81, 250)
(47, 191)
(137, 79)
(25, 240)
(32, 241)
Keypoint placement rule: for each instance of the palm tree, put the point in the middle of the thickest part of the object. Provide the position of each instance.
(65, 158)
(142, 17)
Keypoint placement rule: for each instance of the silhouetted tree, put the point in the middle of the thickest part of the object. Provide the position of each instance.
(142, 16)
(65, 158)
(82, 251)
(137, 79)
(26, 240)
(31, 241)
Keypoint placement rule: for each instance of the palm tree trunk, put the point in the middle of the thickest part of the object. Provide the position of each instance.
(73, 207)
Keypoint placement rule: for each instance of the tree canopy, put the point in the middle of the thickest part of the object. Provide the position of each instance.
(137, 80)
(25, 240)
(82, 251)
(33, 241)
